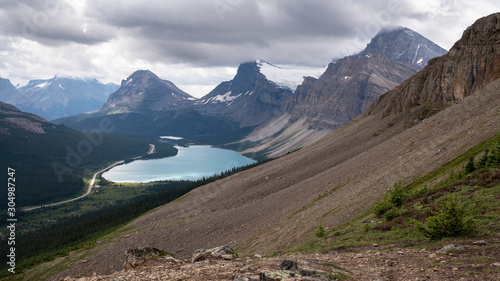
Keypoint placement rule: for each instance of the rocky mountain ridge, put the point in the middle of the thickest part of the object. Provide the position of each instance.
(249, 99)
(9, 93)
(404, 45)
(472, 63)
(346, 89)
(11, 118)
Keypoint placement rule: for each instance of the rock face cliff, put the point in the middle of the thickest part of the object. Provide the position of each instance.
(346, 89)
(144, 91)
(472, 63)
(404, 45)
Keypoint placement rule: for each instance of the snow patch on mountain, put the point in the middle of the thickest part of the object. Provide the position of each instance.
(288, 76)
(226, 98)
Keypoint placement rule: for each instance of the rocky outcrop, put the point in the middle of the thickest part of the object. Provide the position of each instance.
(222, 252)
(138, 256)
(472, 63)
(290, 269)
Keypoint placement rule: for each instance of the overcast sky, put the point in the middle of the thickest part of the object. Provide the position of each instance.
(199, 43)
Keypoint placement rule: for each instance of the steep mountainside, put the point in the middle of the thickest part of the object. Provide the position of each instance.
(144, 91)
(257, 92)
(49, 159)
(9, 93)
(472, 63)
(404, 45)
(63, 96)
(344, 91)
(279, 204)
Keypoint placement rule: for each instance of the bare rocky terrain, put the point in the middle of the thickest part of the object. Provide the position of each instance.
(407, 133)
(465, 261)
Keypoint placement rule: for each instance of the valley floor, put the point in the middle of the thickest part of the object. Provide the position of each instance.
(469, 259)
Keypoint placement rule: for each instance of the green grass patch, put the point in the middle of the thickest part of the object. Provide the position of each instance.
(392, 221)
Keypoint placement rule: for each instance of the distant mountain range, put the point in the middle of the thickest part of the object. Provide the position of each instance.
(268, 110)
(57, 97)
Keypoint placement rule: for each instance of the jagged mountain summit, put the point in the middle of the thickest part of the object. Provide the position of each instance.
(145, 91)
(256, 93)
(63, 96)
(346, 89)
(279, 205)
(472, 63)
(404, 45)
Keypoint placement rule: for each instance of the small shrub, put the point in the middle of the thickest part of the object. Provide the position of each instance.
(320, 231)
(422, 190)
(394, 198)
(381, 207)
(398, 194)
(451, 221)
(394, 213)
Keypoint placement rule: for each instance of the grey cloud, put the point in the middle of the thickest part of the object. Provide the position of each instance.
(187, 32)
(49, 22)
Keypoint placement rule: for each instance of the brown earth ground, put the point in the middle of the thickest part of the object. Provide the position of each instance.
(477, 261)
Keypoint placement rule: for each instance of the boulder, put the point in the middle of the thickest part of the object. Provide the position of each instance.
(222, 252)
(138, 256)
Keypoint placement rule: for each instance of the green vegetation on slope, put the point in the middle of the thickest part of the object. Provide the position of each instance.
(463, 202)
(49, 167)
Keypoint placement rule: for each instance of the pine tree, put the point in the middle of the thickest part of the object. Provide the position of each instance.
(470, 167)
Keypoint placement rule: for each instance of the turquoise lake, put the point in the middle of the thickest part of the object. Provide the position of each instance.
(190, 163)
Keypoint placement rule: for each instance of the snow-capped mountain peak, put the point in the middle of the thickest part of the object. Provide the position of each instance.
(288, 76)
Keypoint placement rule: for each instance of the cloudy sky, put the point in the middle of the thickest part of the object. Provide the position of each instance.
(199, 43)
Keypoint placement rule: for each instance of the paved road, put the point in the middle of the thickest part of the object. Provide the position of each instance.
(91, 185)
(89, 189)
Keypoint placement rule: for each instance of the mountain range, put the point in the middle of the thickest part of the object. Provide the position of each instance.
(57, 97)
(414, 129)
(267, 110)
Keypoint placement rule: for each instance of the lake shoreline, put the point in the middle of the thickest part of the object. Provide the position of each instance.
(191, 163)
